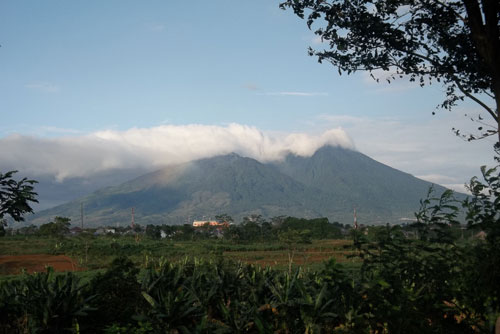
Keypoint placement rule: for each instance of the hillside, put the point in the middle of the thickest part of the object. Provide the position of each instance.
(330, 183)
(351, 179)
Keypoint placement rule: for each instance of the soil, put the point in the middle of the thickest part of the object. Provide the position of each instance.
(301, 257)
(14, 264)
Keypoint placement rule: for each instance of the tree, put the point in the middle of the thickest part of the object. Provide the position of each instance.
(224, 218)
(3, 223)
(15, 196)
(455, 42)
(483, 213)
(59, 227)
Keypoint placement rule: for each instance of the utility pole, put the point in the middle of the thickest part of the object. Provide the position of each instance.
(81, 214)
(355, 220)
(133, 222)
(136, 236)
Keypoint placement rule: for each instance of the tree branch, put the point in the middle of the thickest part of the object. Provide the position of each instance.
(459, 86)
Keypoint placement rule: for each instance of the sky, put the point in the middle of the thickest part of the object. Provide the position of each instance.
(93, 85)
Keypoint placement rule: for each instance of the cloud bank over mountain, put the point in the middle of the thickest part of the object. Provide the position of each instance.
(84, 155)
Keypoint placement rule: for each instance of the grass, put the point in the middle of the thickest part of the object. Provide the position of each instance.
(96, 253)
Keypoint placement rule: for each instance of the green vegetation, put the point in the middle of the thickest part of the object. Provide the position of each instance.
(15, 198)
(97, 251)
(328, 184)
(58, 227)
(420, 278)
(454, 43)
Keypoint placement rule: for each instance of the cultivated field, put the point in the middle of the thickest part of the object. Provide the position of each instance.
(17, 264)
(34, 254)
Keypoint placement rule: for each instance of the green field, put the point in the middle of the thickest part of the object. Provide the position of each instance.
(96, 252)
(136, 284)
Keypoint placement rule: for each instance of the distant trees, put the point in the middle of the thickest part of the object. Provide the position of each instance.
(319, 228)
(253, 228)
(58, 227)
(153, 231)
(28, 230)
(224, 218)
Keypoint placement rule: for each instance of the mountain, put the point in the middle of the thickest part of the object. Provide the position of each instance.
(330, 183)
(353, 180)
(52, 192)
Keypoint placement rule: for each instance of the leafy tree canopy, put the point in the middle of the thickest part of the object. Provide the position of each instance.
(15, 196)
(58, 227)
(455, 42)
(224, 218)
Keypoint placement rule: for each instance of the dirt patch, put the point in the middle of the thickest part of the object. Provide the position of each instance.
(301, 257)
(14, 264)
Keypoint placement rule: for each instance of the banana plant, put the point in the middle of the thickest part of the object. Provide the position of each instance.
(48, 302)
(173, 307)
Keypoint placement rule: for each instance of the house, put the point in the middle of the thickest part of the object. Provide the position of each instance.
(104, 231)
(201, 223)
(75, 230)
(216, 228)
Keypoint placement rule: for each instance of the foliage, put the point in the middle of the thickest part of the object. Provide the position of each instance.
(436, 217)
(60, 226)
(15, 196)
(3, 223)
(433, 283)
(42, 303)
(224, 218)
(412, 292)
(293, 237)
(453, 42)
(483, 208)
(319, 228)
(411, 280)
(252, 229)
(117, 294)
(483, 214)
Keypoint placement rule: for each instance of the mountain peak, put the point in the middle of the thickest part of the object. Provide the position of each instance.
(330, 183)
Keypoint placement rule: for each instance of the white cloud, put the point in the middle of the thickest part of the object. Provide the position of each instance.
(427, 149)
(80, 156)
(45, 87)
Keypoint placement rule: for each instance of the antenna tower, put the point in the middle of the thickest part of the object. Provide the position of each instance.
(133, 222)
(355, 220)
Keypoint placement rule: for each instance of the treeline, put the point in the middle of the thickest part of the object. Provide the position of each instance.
(432, 283)
(429, 284)
(403, 286)
(253, 229)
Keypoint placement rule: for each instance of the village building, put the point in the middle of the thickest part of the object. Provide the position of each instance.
(201, 223)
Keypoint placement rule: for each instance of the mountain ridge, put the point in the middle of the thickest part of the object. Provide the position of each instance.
(332, 182)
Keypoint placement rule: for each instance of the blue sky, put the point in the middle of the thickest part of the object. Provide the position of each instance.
(69, 70)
